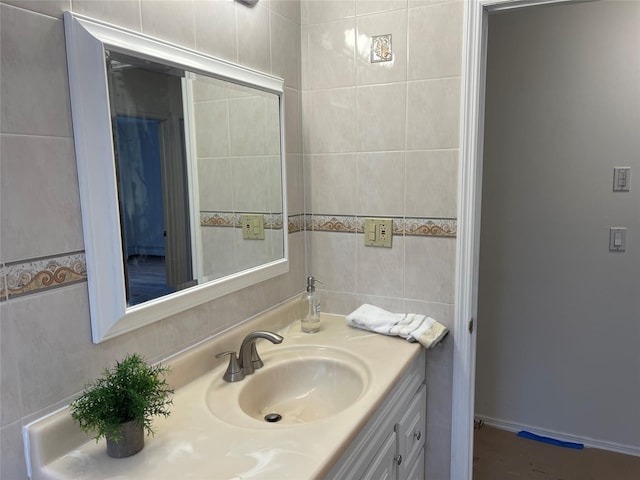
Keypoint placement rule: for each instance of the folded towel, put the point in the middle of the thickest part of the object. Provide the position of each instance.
(411, 326)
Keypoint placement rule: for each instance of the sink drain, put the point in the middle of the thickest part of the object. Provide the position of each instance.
(272, 417)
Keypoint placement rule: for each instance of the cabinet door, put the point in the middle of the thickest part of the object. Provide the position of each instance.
(411, 433)
(383, 466)
(417, 471)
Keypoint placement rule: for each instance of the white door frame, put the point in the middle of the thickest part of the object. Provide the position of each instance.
(474, 54)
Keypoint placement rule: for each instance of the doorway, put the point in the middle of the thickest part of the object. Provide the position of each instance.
(574, 315)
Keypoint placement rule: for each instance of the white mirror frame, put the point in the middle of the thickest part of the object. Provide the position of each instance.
(86, 40)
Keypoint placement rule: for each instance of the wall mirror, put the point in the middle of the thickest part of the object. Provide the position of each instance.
(181, 172)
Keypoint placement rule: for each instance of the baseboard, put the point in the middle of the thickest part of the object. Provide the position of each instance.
(565, 437)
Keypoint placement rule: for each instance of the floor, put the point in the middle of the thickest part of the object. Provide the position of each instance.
(499, 455)
(147, 278)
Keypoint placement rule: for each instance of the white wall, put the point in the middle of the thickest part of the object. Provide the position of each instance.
(559, 321)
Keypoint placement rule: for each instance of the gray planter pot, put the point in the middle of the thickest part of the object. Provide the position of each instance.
(130, 443)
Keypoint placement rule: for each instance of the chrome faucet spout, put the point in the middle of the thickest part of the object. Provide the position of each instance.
(249, 359)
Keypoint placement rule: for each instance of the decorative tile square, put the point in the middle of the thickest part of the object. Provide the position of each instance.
(381, 50)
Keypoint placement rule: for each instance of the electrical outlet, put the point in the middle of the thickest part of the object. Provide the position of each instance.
(378, 232)
(252, 227)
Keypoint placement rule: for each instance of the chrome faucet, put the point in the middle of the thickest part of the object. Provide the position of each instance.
(247, 360)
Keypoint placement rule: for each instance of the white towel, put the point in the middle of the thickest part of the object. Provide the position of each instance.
(411, 326)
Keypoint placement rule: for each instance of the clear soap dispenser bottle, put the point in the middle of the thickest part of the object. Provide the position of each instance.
(310, 307)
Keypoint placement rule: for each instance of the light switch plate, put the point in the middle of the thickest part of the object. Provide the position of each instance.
(378, 232)
(617, 239)
(621, 179)
(252, 226)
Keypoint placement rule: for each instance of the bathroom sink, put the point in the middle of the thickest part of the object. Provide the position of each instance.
(296, 385)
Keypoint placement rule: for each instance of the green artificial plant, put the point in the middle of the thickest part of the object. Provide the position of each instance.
(130, 391)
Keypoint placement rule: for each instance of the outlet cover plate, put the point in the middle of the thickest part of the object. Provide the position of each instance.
(252, 226)
(378, 232)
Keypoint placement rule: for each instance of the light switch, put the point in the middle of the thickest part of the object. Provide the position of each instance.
(378, 232)
(617, 239)
(621, 179)
(252, 226)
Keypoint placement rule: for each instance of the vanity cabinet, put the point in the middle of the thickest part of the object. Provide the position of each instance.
(391, 444)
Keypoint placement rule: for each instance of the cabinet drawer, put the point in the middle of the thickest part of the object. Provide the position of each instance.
(411, 431)
(383, 465)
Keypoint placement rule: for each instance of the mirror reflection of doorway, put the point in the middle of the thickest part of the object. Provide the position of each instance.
(148, 128)
(140, 179)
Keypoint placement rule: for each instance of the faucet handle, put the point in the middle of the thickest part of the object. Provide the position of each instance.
(255, 358)
(233, 373)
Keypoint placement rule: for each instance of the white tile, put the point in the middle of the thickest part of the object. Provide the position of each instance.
(329, 120)
(34, 84)
(218, 251)
(57, 357)
(215, 29)
(381, 183)
(433, 114)
(286, 50)
(430, 268)
(333, 184)
(251, 126)
(185, 328)
(381, 270)
(432, 183)
(287, 8)
(212, 142)
(214, 184)
(428, 3)
(169, 20)
(295, 184)
(53, 8)
(253, 37)
(124, 13)
(331, 49)
(39, 197)
(10, 397)
(318, 11)
(293, 120)
(364, 7)
(209, 89)
(143, 340)
(394, 23)
(13, 464)
(381, 117)
(253, 171)
(435, 39)
(333, 260)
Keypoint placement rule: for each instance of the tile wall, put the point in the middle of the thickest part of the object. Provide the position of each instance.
(382, 139)
(45, 340)
(243, 150)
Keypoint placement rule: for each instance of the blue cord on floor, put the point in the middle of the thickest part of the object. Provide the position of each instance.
(551, 441)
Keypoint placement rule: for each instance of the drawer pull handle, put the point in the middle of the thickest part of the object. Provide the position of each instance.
(418, 435)
(398, 459)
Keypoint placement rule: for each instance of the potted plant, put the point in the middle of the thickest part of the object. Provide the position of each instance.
(120, 404)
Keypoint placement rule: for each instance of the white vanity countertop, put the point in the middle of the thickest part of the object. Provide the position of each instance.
(193, 443)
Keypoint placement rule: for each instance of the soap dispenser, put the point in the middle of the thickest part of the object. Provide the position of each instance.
(310, 307)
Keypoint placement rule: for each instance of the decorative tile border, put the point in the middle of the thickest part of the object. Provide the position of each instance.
(296, 223)
(43, 273)
(414, 226)
(332, 223)
(31, 276)
(232, 219)
(3, 284)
